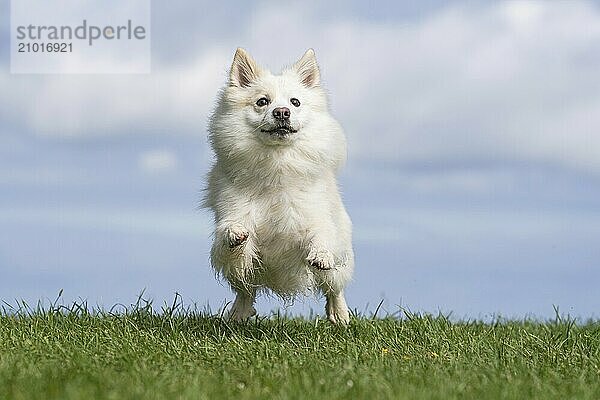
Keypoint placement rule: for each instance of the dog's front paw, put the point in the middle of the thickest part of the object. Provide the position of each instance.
(236, 237)
(320, 259)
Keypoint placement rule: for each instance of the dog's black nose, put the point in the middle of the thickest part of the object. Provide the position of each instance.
(281, 113)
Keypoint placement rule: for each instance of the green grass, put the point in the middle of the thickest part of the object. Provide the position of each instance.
(75, 353)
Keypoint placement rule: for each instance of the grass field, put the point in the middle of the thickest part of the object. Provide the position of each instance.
(72, 353)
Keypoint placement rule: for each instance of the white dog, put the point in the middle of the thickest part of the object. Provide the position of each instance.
(280, 221)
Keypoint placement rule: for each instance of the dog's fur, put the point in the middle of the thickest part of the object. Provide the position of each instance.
(280, 221)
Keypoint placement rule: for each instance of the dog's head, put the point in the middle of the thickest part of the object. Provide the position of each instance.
(274, 107)
(277, 107)
(258, 110)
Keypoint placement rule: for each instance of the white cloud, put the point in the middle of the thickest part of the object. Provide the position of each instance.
(157, 161)
(174, 99)
(503, 81)
(473, 84)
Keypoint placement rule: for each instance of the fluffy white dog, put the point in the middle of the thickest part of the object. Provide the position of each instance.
(280, 221)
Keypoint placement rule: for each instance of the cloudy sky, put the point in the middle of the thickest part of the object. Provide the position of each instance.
(473, 177)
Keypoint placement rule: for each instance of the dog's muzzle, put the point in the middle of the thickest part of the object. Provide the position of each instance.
(280, 130)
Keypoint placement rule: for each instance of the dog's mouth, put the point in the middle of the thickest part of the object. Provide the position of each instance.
(281, 131)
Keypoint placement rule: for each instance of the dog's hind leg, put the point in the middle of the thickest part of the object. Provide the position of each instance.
(243, 306)
(336, 308)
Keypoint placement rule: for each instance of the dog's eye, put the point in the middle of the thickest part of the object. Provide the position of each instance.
(263, 101)
(295, 102)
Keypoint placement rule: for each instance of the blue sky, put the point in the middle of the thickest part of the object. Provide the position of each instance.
(473, 177)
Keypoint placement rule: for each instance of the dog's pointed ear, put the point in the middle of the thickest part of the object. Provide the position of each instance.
(244, 69)
(308, 69)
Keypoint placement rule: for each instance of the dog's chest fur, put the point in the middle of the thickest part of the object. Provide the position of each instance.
(284, 216)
